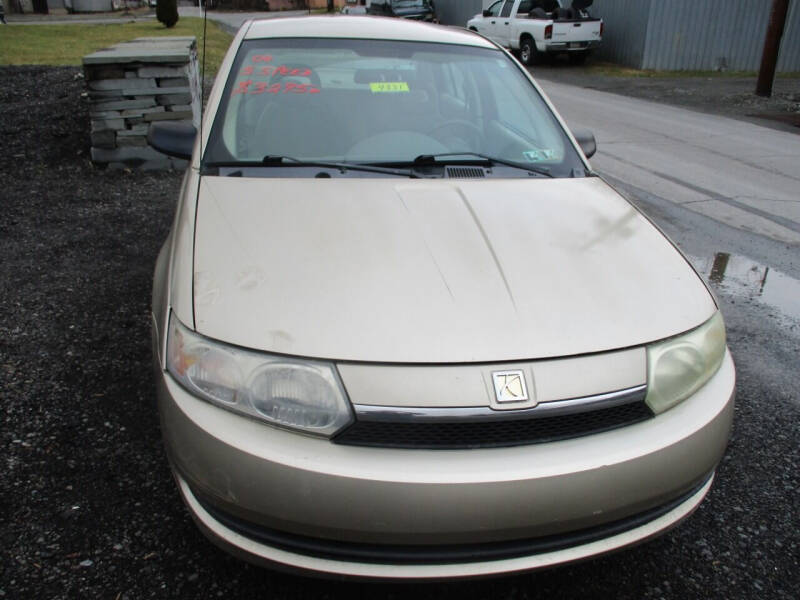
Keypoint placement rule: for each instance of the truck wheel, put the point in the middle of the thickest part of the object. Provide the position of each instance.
(578, 58)
(528, 52)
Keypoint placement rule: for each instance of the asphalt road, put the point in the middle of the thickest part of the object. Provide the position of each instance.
(87, 506)
(231, 21)
(735, 172)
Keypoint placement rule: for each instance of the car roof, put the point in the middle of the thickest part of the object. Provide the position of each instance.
(359, 27)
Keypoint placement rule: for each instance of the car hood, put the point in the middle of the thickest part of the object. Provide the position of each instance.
(435, 271)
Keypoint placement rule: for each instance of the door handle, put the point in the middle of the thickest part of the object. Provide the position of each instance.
(493, 22)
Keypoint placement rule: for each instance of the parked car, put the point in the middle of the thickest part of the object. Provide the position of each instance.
(534, 28)
(419, 10)
(403, 330)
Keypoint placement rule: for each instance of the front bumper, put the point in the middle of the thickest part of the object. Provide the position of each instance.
(307, 488)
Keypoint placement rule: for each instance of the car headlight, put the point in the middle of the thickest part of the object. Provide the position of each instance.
(678, 367)
(306, 395)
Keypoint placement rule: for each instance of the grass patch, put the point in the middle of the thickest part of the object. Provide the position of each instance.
(67, 44)
(612, 70)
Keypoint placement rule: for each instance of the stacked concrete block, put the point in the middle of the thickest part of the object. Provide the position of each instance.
(134, 83)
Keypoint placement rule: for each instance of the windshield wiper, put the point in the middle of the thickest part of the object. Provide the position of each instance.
(270, 161)
(276, 161)
(424, 160)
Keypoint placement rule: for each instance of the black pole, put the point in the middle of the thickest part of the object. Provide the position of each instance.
(772, 45)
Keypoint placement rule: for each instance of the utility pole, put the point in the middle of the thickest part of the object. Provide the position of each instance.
(772, 45)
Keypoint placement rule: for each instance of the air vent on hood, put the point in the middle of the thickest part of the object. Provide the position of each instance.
(465, 173)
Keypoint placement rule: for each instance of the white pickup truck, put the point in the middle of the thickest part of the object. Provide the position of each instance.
(539, 27)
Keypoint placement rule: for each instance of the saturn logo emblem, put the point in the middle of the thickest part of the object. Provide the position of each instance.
(509, 386)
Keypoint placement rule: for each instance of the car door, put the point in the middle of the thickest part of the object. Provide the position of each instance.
(488, 25)
(503, 26)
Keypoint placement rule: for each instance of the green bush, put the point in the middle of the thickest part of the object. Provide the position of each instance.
(167, 12)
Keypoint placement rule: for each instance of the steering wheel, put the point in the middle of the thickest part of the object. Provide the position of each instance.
(249, 139)
(453, 129)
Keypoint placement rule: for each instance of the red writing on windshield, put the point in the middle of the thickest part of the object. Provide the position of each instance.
(280, 70)
(248, 86)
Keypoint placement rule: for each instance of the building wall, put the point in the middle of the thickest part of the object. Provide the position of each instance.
(82, 6)
(624, 30)
(710, 35)
(680, 35)
(789, 58)
(324, 3)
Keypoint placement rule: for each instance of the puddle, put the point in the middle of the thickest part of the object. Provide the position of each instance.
(741, 277)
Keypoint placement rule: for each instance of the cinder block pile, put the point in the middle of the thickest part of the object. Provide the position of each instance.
(134, 83)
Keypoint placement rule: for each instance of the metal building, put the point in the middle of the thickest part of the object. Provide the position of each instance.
(458, 12)
(706, 35)
(676, 35)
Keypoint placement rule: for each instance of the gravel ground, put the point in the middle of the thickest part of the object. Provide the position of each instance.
(87, 505)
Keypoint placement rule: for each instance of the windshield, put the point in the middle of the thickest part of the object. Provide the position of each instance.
(382, 102)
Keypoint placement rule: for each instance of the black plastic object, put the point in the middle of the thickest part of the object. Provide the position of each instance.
(451, 435)
(586, 141)
(563, 14)
(173, 138)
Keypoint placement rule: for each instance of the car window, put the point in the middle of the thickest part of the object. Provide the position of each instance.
(494, 9)
(518, 116)
(525, 6)
(372, 101)
(458, 95)
(507, 8)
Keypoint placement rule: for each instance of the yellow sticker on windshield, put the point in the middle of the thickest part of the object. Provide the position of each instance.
(389, 87)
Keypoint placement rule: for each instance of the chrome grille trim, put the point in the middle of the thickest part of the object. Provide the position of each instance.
(404, 414)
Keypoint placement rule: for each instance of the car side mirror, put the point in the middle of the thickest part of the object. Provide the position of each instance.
(174, 138)
(586, 141)
(487, 12)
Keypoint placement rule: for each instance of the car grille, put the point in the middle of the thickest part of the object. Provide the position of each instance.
(492, 433)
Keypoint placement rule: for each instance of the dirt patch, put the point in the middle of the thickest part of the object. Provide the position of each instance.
(721, 95)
